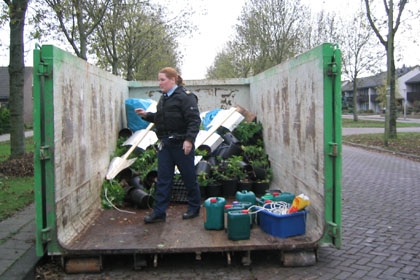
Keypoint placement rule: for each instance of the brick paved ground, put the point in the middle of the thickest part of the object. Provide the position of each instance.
(381, 233)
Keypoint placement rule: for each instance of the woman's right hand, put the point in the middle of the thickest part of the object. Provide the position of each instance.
(141, 112)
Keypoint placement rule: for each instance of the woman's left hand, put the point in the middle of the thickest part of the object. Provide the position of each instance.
(187, 147)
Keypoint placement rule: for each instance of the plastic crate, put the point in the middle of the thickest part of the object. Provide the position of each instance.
(179, 191)
(283, 225)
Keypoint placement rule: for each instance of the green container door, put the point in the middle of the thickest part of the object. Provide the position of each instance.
(332, 145)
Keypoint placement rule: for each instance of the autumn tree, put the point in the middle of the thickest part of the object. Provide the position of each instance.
(77, 20)
(359, 52)
(16, 13)
(232, 62)
(388, 41)
(268, 33)
(323, 27)
(222, 66)
(136, 39)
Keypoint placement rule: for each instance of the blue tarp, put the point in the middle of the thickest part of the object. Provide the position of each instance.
(134, 121)
(209, 117)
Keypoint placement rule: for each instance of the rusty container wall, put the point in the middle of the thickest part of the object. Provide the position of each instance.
(78, 112)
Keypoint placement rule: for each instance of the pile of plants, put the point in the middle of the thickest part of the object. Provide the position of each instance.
(246, 168)
(239, 163)
(137, 178)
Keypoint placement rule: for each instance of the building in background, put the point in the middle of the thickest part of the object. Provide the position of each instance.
(371, 91)
(27, 92)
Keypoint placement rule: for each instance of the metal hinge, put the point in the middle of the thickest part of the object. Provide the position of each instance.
(332, 229)
(44, 152)
(46, 235)
(44, 69)
(332, 69)
(333, 149)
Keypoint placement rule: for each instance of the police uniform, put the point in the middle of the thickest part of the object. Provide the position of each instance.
(177, 119)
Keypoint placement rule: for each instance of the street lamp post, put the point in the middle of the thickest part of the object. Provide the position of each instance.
(405, 104)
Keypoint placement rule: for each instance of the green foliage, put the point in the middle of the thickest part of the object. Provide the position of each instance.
(368, 123)
(202, 152)
(15, 194)
(4, 120)
(407, 142)
(254, 152)
(136, 51)
(248, 131)
(267, 33)
(223, 66)
(112, 194)
(204, 179)
(257, 157)
(146, 161)
(416, 106)
(232, 168)
(120, 149)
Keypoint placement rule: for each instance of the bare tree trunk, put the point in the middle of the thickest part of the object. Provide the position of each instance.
(17, 11)
(392, 133)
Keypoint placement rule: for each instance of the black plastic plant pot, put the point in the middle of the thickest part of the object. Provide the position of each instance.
(126, 174)
(228, 151)
(260, 188)
(136, 182)
(260, 173)
(213, 190)
(212, 160)
(150, 179)
(125, 133)
(140, 198)
(203, 166)
(229, 187)
(245, 186)
(249, 170)
(229, 138)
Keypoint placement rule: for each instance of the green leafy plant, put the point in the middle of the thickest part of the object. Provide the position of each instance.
(205, 153)
(4, 120)
(248, 132)
(204, 179)
(113, 194)
(232, 168)
(253, 152)
(146, 161)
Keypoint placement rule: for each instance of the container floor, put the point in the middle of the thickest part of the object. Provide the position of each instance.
(115, 232)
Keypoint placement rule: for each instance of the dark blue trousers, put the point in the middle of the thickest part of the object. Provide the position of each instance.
(171, 155)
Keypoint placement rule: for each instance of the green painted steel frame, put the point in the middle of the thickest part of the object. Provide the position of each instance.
(332, 144)
(46, 239)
